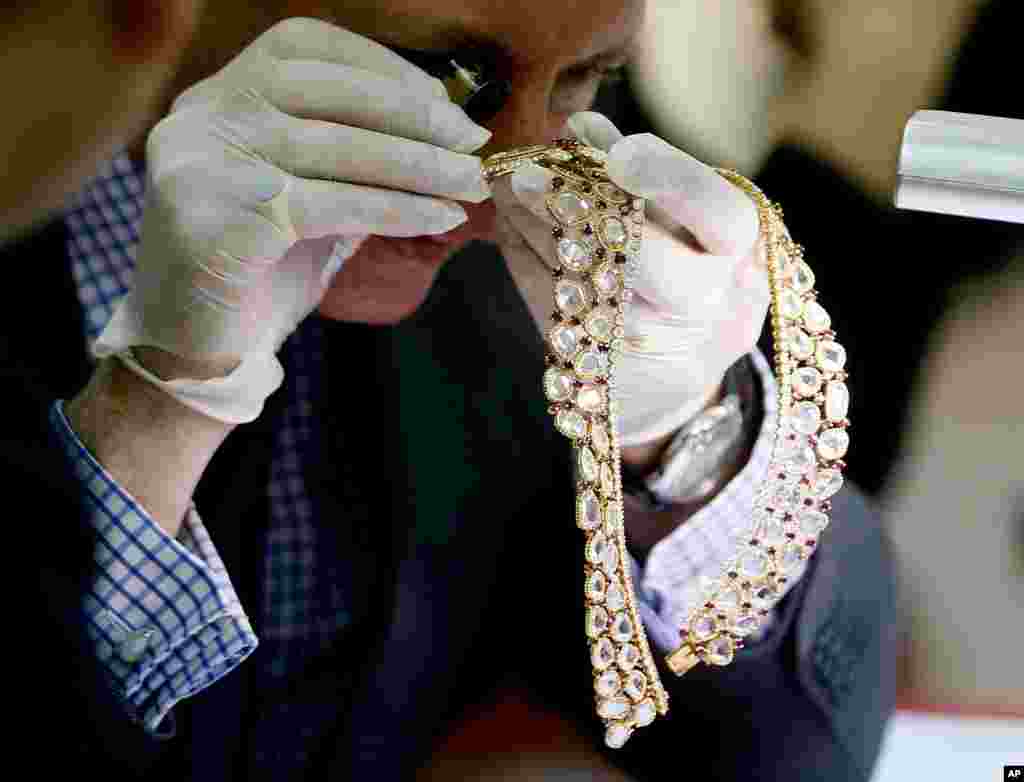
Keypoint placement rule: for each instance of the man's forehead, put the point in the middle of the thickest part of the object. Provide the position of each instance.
(526, 31)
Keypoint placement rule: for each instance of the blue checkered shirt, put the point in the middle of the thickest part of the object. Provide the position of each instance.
(162, 612)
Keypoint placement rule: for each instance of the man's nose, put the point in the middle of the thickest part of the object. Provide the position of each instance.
(524, 120)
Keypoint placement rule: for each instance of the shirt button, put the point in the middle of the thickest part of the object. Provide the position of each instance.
(135, 645)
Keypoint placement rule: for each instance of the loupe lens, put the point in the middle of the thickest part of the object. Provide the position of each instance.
(486, 102)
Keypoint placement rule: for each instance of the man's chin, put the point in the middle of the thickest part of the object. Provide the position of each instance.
(388, 279)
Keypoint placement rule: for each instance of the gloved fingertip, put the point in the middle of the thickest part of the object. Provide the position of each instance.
(594, 129)
(531, 182)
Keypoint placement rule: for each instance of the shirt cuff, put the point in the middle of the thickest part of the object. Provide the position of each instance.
(677, 568)
(161, 612)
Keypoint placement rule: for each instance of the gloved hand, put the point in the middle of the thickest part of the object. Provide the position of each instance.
(701, 291)
(261, 182)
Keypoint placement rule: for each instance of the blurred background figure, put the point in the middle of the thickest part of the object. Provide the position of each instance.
(80, 79)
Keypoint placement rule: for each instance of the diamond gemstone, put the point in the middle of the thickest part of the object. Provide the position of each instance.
(599, 439)
(807, 381)
(703, 627)
(610, 557)
(613, 233)
(588, 511)
(608, 684)
(602, 654)
(570, 297)
(816, 319)
(607, 480)
(785, 497)
(837, 401)
(564, 340)
(607, 281)
(644, 713)
(597, 621)
(569, 207)
(574, 254)
(745, 624)
(812, 522)
(597, 586)
(831, 356)
(613, 517)
(595, 548)
(720, 651)
(803, 277)
(828, 483)
(617, 735)
(571, 424)
(805, 417)
(790, 558)
(764, 597)
(832, 443)
(615, 598)
(790, 305)
(622, 628)
(591, 364)
(558, 385)
(600, 323)
(636, 685)
(727, 599)
(591, 399)
(628, 657)
(613, 708)
(773, 532)
(587, 465)
(754, 564)
(799, 344)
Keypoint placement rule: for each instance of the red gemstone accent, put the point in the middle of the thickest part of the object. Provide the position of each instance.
(709, 605)
(810, 542)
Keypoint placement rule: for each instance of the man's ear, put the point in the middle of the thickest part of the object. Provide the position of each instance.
(151, 31)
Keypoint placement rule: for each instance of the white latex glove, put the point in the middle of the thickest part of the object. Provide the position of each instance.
(701, 291)
(262, 181)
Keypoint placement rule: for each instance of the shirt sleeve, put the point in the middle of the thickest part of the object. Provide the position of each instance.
(671, 580)
(161, 612)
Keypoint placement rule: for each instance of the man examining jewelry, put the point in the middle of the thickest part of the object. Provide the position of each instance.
(370, 503)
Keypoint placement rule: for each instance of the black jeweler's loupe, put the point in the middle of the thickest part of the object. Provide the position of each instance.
(470, 80)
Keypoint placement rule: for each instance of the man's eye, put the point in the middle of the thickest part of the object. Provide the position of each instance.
(605, 74)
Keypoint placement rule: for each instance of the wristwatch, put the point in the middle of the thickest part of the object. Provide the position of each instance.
(697, 457)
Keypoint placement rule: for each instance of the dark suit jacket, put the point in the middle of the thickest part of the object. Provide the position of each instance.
(444, 489)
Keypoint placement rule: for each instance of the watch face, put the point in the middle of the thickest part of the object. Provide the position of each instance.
(703, 458)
